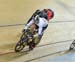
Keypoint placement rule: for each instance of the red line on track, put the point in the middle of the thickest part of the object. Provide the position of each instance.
(6, 53)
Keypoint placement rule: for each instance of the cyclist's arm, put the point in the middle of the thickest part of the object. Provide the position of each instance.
(28, 24)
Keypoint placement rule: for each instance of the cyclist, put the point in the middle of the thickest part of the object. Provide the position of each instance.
(41, 19)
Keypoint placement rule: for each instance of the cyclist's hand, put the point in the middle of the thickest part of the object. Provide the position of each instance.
(23, 30)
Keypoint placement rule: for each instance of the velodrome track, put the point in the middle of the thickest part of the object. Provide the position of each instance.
(56, 40)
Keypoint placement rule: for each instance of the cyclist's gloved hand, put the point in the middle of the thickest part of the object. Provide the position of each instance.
(23, 30)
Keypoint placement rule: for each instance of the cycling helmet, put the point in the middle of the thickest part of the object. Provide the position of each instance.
(50, 13)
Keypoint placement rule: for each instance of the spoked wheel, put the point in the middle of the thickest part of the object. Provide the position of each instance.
(21, 44)
(72, 46)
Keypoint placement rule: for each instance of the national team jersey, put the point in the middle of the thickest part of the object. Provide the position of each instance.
(42, 23)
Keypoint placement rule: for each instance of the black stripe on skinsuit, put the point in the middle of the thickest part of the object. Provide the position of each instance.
(34, 14)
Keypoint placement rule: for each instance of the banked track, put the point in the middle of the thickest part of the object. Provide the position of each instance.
(66, 41)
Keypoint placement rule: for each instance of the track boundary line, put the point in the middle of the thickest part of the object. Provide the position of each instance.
(10, 25)
(6, 53)
(42, 45)
(45, 56)
(56, 42)
(50, 53)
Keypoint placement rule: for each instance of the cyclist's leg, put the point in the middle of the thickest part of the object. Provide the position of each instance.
(32, 43)
(37, 39)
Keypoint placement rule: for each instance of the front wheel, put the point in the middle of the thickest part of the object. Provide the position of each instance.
(21, 44)
(72, 46)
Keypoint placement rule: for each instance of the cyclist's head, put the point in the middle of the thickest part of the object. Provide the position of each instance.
(50, 13)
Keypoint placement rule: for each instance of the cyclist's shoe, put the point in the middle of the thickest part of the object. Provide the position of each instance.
(31, 46)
